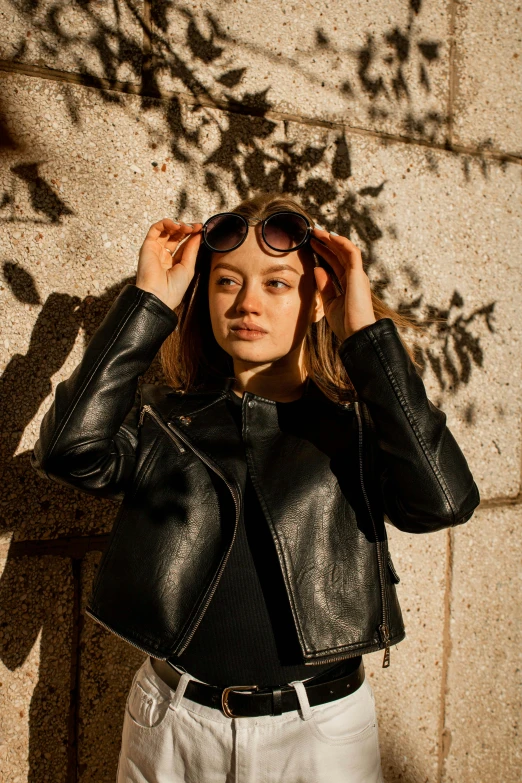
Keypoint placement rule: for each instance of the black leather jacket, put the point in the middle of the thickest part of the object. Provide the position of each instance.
(175, 460)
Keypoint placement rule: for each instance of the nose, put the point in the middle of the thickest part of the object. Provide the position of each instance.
(248, 300)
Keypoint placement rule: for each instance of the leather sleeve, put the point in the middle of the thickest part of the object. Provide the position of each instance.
(88, 437)
(425, 481)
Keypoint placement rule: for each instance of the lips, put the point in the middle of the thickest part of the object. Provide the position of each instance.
(249, 327)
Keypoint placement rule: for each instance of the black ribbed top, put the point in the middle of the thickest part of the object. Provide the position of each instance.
(247, 635)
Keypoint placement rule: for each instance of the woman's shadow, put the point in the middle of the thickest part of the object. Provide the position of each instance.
(40, 583)
(53, 527)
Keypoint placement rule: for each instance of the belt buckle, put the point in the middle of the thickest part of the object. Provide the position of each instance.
(224, 697)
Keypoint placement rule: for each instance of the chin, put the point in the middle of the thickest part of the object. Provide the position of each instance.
(248, 352)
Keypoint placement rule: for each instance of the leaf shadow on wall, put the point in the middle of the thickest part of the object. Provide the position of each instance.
(318, 173)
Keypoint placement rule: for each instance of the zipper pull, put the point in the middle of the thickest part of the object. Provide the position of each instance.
(385, 634)
(142, 414)
(175, 438)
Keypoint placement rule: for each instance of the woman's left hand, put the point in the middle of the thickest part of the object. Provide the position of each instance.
(352, 310)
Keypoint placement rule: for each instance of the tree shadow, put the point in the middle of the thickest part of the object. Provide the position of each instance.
(34, 514)
(252, 157)
(54, 334)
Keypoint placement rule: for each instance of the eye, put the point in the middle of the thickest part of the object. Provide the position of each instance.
(224, 281)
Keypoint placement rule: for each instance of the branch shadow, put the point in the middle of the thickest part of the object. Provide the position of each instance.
(252, 157)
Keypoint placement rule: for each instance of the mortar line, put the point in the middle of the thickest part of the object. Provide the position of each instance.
(137, 88)
(69, 546)
(520, 480)
(500, 501)
(78, 546)
(452, 73)
(74, 690)
(444, 736)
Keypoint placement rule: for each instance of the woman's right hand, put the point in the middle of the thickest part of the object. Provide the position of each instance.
(168, 276)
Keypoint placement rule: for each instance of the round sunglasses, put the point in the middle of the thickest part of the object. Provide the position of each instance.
(285, 231)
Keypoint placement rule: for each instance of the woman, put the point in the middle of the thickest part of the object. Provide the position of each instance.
(249, 556)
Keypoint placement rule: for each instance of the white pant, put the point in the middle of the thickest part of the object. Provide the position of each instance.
(169, 739)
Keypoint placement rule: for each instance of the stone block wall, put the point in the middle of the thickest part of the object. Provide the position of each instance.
(397, 124)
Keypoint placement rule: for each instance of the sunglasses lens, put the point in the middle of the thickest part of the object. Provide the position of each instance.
(283, 232)
(224, 232)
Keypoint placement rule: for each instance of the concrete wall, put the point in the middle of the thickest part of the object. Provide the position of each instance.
(398, 124)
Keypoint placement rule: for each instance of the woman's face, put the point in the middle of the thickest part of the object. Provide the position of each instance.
(273, 291)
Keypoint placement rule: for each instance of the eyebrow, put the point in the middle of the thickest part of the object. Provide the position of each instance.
(273, 268)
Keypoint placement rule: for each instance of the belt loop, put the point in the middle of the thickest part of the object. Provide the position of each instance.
(302, 695)
(180, 690)
(277, 701)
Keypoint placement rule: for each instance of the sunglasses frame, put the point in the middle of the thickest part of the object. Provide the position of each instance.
(247, 223)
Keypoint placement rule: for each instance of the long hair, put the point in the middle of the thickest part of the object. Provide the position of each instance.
(191, 357)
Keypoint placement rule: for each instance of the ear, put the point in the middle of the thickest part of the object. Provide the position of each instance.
(318, 307)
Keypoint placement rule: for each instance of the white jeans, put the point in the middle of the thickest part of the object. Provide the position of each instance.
(168, 738)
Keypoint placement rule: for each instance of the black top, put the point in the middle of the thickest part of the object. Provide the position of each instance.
(247, 634)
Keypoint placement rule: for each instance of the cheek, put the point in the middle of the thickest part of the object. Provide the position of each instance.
(288, 319)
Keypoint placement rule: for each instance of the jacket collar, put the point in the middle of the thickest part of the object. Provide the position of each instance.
(173, 403)
(224, 389)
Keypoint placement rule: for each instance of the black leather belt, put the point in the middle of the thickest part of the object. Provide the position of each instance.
(249, 701)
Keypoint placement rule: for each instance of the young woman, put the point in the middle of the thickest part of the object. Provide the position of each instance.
(249, 556)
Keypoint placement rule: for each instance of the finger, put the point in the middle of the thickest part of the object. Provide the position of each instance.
(187, 229)
(164, 227)
(348, 253)
(323, 250)
(330, 256)
(326, 287)
(166, 230)
(178, 247)
(187, 252)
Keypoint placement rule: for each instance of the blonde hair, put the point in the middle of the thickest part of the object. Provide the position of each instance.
(191, 357)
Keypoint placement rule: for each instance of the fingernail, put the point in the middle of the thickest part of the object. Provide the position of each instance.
(333, 234)
(320, 227)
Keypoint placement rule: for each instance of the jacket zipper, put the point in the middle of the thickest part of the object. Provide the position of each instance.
(212, 588)
(176, 437)
(384, 627)
(148, 409)
(332, 658)
(125, 638)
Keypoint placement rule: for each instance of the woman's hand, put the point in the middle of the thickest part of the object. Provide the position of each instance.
(166, 263)
(352, 310)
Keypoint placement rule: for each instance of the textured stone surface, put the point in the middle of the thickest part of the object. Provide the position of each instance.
(74, 226)
(339, 62)
(484, 699)
(61, 276)
(35, 636)
(441, 236)
(407, 693)
(489, 74)
(102, 40)
(84, 173)
(107, 668)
